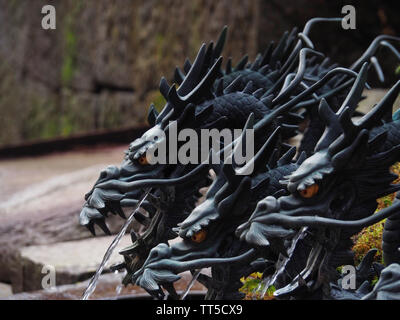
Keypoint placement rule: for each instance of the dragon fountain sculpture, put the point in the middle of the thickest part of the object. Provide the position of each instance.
(332, 197)
(241, 226)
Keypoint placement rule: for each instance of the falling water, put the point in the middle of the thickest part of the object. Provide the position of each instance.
(191, 283)
(257, 292)
(93, 282)
(119, 288)
(265, 286)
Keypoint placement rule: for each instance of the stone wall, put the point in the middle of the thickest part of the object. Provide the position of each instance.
(100, 68)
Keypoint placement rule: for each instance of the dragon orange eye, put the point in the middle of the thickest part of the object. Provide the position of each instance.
(310, 191)
(199, 236)
(143, 160)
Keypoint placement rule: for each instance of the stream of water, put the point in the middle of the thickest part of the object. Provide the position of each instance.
(93, 282)
(191, 283)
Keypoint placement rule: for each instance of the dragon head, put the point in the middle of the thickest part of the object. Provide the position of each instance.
(333, 192)
(196, 87)
(270, 79)
(207, 234)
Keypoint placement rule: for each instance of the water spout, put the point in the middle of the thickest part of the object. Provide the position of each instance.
(191, 283)
(93, 282)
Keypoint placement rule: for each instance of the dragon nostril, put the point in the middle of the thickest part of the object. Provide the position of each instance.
(109, 173)
(262, 206)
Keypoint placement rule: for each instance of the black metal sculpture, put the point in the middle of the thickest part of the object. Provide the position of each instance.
(219, 105)
(208, 232)
(270, 90)
(229, 201)
(332, 196)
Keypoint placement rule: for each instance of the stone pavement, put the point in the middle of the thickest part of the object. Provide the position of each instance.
(108, 287)
(73, 261)
(40, 201)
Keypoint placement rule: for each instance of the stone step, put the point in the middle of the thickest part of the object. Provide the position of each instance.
(72, 261)
(43, 196)
(107, 288)
(5, 290)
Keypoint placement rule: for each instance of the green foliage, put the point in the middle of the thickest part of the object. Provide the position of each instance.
(69, 64)
(374, 281)
(251, 283)
(158, 101)
(371, 237)
(41, 119)
(253, 286)
(160, 40)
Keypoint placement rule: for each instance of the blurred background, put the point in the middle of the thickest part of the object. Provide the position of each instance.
(78, 94)
(100, 68)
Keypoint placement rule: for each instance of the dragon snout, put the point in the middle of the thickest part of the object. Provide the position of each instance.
(97, 205)
(111, 172)
(88, 214)
(268, 205)
(256, 231)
